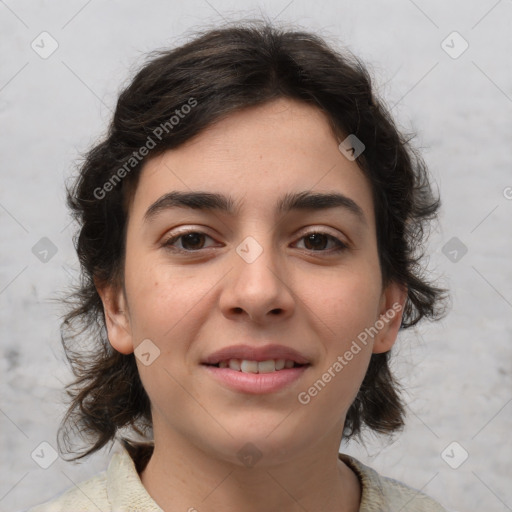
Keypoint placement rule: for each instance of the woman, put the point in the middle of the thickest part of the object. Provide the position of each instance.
(248, 239)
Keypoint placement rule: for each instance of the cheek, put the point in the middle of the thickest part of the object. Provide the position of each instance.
(163, 298)
(347, 303)
(343, 314)
(344, 308)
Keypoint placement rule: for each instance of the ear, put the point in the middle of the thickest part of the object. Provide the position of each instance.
(392, 306)
(116, 317)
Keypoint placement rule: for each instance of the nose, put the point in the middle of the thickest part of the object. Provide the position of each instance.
(258, 287)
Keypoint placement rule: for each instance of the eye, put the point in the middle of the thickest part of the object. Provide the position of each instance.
(190, 241)
(317, 241)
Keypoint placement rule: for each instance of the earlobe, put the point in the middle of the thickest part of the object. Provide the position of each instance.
(116, 317)
(392, 307)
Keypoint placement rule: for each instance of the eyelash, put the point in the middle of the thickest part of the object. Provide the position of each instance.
(341, 246)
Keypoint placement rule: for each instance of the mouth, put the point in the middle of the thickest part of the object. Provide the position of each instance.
(256, 370)
(252, 366)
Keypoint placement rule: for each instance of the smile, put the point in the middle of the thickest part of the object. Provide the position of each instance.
(256, 369)
(250, 379)
(248, 366)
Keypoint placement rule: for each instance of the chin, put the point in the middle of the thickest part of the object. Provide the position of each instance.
(261, 443)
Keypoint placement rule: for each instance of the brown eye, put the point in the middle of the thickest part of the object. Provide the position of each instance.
(318, 241)
(190, 242)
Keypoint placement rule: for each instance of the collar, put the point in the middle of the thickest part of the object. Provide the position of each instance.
(124, 486)
(126, 492)
(372, 492)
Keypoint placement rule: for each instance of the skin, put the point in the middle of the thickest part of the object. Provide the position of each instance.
(190, 305)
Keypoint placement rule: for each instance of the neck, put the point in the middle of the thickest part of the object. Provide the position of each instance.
(180, 476)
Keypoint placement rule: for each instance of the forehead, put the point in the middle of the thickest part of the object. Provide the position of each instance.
(255, 156)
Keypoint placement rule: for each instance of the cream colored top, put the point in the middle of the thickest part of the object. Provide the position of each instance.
(119, 489)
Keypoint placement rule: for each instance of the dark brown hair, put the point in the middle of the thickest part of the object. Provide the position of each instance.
(219, 72)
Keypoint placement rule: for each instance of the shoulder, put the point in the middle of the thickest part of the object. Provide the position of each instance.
(117, 488)
(386, 494)
(87, 495)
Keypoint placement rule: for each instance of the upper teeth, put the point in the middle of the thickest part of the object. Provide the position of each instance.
(247, 366)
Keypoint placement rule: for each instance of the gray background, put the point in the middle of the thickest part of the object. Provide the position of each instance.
(457, 372)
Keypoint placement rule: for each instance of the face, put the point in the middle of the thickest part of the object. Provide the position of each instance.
(269, 275)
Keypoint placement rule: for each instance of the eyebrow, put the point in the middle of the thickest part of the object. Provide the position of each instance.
(209, 201)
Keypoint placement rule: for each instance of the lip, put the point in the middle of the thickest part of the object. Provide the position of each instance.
(256, 383)
(260, 353)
